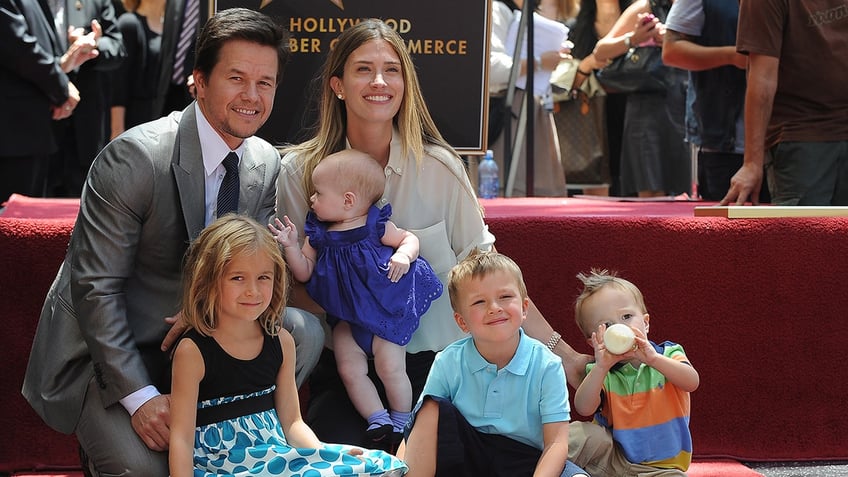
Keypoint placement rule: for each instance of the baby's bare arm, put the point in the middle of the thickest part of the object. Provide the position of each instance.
(299, 260)
(406, 247)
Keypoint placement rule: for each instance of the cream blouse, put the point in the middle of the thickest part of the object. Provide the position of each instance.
(435, 201)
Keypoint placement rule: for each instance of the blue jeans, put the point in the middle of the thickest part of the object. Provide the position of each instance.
(573, 470)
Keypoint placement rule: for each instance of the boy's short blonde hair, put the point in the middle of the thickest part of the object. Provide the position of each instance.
(595, 281)
(479, 264)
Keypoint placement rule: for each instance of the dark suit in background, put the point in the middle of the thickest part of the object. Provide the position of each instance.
(83, 135)
(31, 81)
(174, 95)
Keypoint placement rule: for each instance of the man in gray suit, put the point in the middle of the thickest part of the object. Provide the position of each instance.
(97, 366)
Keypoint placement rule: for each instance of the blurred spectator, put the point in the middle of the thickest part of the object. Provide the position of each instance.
(183, 20)
(593, 22)
(36, 89)
(549, 178)
(654, 157)
(701, 37)
(136, 82)
(795, 121)
(81, 136)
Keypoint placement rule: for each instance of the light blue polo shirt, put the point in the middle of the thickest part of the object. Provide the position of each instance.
(514, 402)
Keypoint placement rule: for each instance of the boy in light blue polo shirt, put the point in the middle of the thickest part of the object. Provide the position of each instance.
(495, 403)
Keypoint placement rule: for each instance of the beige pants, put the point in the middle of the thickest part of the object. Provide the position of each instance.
(548, 174)
(591, 446)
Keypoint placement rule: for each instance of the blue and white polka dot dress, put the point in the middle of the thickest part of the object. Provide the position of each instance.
(255, 445)
(241, 435)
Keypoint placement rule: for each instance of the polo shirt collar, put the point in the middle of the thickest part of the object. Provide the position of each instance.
(518, 365)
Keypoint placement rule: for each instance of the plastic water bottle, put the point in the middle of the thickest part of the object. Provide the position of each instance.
(487, 177)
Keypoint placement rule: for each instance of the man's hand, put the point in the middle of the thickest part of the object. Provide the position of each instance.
(83, 46)
(86, 41)
(66, 109)
(177, 329)
(745, 185)
(152, 422)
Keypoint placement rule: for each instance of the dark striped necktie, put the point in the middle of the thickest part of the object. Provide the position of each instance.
(228, 194)
(188, 32)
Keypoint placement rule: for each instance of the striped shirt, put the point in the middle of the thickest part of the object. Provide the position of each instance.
(648, 416)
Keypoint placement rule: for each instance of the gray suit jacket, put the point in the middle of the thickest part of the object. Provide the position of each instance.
(103, 317)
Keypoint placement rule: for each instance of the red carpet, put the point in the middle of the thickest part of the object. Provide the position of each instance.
(758, 305)
(720, 468)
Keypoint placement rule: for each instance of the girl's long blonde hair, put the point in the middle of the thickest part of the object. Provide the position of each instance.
(413, 120)
(209, 254)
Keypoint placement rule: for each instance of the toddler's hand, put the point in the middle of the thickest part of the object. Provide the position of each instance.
(604, 357)
(644, 351)
(286, 234)
(398, 266)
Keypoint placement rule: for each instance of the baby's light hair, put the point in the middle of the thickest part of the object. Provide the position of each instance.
(479, 264)
(206, 258)
(358, 172)
(595, 281)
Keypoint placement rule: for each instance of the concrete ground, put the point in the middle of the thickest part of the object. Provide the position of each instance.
(801, 469)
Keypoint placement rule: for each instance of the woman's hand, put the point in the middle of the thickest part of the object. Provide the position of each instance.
(646, 31)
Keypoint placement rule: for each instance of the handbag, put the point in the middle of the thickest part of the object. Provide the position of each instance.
(581, 126)
(640, 69)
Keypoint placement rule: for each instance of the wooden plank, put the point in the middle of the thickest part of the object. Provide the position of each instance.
(769, 211)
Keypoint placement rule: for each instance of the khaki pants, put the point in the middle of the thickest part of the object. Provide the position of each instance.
(591, 447)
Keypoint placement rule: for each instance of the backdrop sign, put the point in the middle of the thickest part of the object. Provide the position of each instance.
(448, 40)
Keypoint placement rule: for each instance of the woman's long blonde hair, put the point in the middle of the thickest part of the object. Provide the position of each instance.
(413, 120)
(206, 259)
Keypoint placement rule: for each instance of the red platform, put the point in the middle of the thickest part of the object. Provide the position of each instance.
(757, 304)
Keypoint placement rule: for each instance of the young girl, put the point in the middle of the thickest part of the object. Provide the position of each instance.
(235, 408)
(355, 264)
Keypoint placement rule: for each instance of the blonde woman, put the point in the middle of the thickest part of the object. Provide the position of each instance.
(370, 100)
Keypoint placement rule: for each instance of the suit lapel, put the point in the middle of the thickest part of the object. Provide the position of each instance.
(57, 42)
(187, 164)
(252, 178)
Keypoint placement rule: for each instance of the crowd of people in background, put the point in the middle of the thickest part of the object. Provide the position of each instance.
(78, 74)
(101, 67)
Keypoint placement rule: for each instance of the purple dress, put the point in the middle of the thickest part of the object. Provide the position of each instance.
(350, 280)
